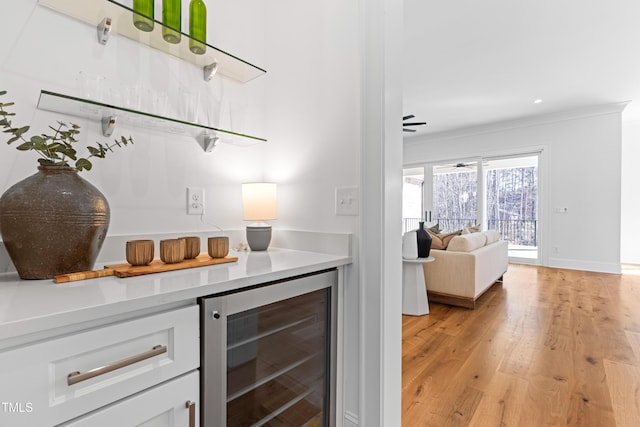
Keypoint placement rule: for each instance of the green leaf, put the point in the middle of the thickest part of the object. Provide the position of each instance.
(26, 146)
(83, 164)
(21, 131)
(93, 150)
(48, 162)
(36, 139)
(67, 151)
(3, 92)
(14, 139)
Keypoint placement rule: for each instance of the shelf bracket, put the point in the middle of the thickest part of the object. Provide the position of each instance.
(209, 71)
(104, 30)
(108, 125)
(209, 142)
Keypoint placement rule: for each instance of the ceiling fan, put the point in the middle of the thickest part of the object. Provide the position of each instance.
(460, 165)
(404, 124)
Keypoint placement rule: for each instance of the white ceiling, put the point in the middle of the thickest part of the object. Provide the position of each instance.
(473, 62)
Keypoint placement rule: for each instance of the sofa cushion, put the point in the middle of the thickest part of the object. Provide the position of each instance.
(470, 228)
(467, 242)
(492, 236)
(441, 241)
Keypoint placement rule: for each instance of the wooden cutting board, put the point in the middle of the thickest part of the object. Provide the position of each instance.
(157, 266)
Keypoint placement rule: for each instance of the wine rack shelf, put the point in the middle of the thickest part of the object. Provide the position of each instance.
(109, 17)
(111, 115)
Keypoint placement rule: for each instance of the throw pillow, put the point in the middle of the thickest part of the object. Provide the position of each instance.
(470, 228)
(441, 240)
(435, 229)
(467, 243)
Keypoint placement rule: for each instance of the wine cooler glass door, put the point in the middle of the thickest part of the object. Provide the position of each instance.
(275, 368)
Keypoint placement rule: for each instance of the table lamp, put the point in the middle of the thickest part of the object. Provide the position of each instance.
(259, 202)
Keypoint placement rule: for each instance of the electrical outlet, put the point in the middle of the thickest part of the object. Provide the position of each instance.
(195, 201)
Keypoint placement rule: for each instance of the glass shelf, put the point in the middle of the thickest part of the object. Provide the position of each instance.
(97, 111)
(94, 12)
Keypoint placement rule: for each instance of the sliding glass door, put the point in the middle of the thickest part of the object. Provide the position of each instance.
(512, 200)
(454, 194)
(413, 206)
(500, 193)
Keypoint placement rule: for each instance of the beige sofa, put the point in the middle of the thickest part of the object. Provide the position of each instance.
(470, 264)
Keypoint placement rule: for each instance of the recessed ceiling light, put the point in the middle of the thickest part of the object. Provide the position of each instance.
(537, 101)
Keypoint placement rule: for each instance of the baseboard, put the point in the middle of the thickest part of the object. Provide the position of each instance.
(574, 264)
(448, 299)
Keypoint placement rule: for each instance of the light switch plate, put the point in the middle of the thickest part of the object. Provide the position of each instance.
(347, 201)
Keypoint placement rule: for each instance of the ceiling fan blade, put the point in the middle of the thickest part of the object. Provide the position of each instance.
(410, 116)
(415, 124)
(408, 130)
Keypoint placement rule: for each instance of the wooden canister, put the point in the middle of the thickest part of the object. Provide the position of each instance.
(192, 247)
(218, 247)
(172, 250)
(140, 252)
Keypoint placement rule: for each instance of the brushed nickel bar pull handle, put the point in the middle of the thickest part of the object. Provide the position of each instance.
(192, 413)
(76, 377)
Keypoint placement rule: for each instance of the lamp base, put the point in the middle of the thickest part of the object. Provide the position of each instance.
(259, 237)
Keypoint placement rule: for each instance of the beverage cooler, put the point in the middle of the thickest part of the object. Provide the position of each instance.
(268, 354)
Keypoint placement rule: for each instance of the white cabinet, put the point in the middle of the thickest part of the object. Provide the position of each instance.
(59, 379)
(171, 404)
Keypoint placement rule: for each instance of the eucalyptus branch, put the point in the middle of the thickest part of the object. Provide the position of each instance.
(56, 149)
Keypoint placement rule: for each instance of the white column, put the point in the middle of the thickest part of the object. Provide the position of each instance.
(381, 216)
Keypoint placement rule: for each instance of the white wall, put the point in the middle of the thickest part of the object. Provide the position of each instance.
(145, 183)
(630, 239)
(580, 170)
(307, 106)
(313, 125)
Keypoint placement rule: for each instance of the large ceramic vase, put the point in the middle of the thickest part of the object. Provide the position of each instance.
(53, 222)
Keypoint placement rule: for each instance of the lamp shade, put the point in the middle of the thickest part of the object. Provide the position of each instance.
(259, 201)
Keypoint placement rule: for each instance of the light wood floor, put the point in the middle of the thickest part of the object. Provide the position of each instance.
(548, 347)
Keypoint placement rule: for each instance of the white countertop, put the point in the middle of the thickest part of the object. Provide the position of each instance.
(32, 306)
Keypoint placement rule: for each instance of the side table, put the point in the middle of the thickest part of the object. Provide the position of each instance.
(414, 289)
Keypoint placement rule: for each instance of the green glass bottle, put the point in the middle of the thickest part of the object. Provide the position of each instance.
(143, 18)
(171, 20)
(197, 26)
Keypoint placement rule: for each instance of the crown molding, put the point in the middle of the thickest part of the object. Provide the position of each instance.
(522, 122)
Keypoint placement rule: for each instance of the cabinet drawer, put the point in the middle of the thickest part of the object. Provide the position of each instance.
(172, 404)
(59, 379)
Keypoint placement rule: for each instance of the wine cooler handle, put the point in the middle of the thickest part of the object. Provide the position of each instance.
(76, 377)
(191, 406)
